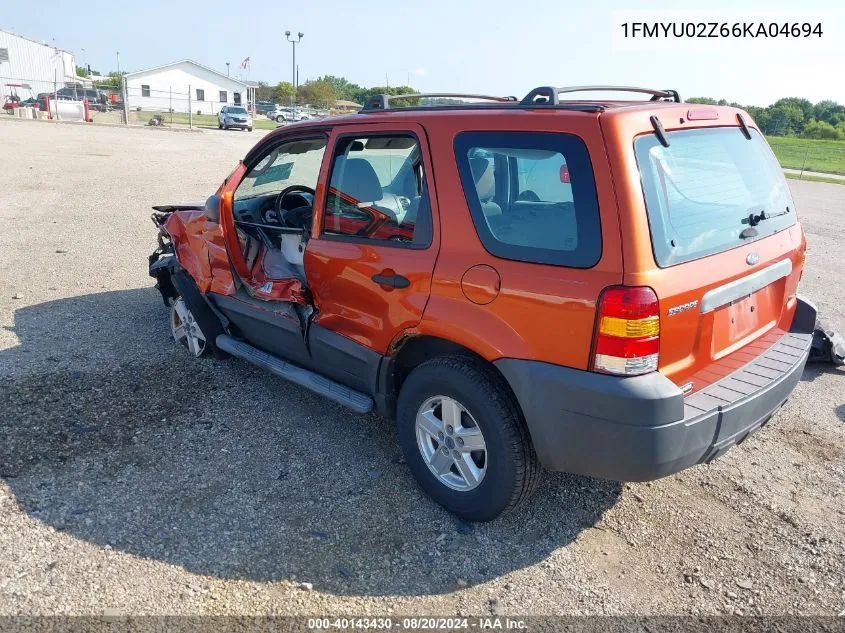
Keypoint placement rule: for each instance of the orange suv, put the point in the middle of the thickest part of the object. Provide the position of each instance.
(601, 287)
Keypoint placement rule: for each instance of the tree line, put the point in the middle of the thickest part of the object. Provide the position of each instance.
(324, 91)
(790, 116)
(794, 116)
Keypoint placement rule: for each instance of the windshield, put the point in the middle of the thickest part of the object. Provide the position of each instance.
(293, 163)
(236, 111)
(706, 188)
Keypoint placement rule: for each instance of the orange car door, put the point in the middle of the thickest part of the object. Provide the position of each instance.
(375, 233)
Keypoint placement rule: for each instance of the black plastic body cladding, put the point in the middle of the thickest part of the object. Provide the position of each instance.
(642, 427)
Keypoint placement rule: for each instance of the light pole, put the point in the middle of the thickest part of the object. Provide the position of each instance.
(227, 69)
(293, 65)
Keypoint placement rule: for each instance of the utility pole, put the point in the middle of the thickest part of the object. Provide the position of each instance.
(294, 42)
(118, 62)
(124, 96)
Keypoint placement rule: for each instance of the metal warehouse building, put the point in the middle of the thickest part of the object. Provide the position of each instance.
(28, 67)
(185, 85)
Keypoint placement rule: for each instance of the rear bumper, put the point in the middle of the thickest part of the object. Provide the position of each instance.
(642, 428)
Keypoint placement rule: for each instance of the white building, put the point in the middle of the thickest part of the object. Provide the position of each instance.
(28, 67)
(185, 85)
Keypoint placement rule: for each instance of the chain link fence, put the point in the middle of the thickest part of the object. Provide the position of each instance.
(135, 104)
(193, 106)
(132, 105)
(16, 92)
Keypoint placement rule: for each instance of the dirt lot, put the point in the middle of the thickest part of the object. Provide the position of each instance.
(136, 480)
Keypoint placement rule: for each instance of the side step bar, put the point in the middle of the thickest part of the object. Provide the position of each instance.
(355, 400)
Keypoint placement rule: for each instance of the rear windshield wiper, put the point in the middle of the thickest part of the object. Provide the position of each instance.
(754, 219)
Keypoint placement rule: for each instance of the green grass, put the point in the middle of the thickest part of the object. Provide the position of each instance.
(200, 120)
(822, 156)
(833, 181)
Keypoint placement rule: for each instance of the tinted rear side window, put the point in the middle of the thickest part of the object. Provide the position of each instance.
(702, 190)
(532, 196)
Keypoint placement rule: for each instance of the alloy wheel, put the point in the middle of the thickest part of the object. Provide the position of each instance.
(451, 443)
(185, 328)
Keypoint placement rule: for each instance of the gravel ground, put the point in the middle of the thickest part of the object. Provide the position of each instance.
(134, 479)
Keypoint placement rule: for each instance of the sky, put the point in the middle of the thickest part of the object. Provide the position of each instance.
(501, 47)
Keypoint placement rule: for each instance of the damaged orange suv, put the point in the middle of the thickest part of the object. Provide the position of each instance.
(602, 287)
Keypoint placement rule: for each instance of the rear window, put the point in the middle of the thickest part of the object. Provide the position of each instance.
(532, 196)
(706, 188)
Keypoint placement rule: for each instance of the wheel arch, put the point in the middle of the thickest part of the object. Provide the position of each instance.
(162, 268)
(173, 281)
(409, 351)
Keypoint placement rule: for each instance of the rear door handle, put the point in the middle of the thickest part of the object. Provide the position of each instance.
(393, 281)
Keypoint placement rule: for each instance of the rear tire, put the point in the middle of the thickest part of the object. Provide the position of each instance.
(508, 471)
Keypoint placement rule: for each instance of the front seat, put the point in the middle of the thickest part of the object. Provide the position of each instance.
(356, 178)
(485, 185)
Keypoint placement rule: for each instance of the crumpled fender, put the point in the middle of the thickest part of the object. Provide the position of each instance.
(199, 248)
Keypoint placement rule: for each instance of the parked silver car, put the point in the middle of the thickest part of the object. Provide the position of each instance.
(234, 116)
(287, 115)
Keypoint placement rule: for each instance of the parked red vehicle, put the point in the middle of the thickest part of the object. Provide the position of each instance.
(602, 287)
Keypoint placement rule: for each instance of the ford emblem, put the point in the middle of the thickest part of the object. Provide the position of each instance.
(752, 258)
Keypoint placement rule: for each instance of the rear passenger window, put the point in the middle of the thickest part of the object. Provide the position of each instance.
(532, 196)
(377, 192)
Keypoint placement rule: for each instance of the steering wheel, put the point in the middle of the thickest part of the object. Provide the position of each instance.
(528, 196)
(293, 218)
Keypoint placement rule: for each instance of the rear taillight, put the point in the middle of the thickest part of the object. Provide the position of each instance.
(627, 331)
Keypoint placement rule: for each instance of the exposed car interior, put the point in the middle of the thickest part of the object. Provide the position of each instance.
(376, 190)
(273, 207)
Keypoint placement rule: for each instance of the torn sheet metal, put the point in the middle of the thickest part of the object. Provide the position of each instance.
(200, 250)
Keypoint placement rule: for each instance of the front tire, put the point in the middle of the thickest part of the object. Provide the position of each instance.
(465, 439)
(186, 331)
(192, 322)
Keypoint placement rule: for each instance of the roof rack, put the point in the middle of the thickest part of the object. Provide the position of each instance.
(548, 95)
(382, 102)
(542, 97)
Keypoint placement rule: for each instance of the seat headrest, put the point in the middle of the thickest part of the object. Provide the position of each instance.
(356, 178)
(485, 180)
